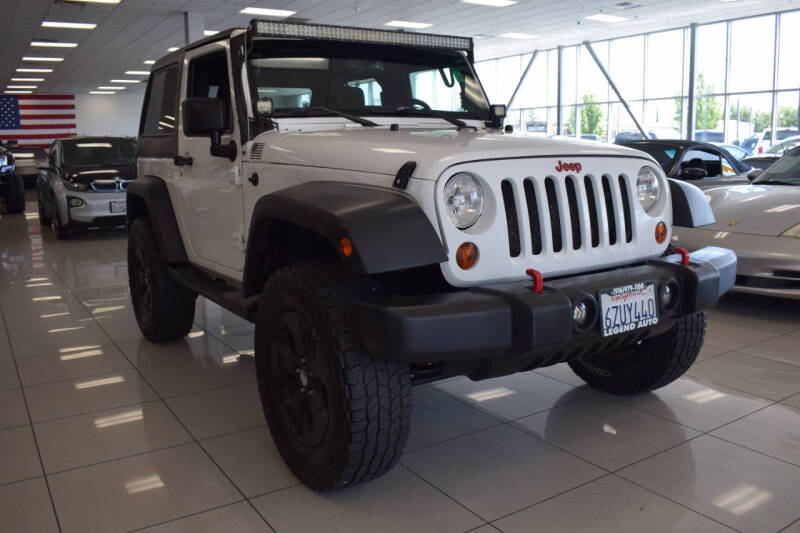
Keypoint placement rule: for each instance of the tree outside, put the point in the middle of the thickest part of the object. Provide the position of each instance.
(591, 117)
(707, 113)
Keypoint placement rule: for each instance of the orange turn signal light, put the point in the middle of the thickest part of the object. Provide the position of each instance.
(345, 247)
(466, 255)
(661, 232)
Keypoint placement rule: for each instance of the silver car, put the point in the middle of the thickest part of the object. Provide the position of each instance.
(761, 223)
(83, 185)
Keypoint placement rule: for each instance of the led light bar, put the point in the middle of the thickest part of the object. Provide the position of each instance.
(268, 28)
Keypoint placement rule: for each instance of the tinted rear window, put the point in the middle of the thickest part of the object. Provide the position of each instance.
(159, 118)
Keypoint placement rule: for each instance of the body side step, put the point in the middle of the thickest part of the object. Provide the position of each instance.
(218, 292)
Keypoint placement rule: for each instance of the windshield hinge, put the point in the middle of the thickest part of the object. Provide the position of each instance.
(404, 174)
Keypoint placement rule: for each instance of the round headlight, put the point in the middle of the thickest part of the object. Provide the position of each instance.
(648, 187)
(463, 198)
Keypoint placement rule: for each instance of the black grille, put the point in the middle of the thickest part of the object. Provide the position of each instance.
(626, 209)
(612, 221)
(592, 204)
(555, 219)
(533, 217)
(574, 217)
(512, 220)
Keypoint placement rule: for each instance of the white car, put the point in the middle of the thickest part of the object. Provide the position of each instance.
(761, 223)
(353, 193)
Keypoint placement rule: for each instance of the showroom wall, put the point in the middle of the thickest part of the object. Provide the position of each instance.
(93, 114)
(746, 80)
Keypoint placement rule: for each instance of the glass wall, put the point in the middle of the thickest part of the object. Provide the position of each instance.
(746, 84)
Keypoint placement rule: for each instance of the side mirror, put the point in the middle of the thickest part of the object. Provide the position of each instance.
(693, 173)
(206, 116)
(753, 174)
(498, 115)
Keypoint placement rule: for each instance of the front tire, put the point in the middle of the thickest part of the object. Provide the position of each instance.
(649, 365)
(338, 417)
(15, 201)
(164, 310)
(45, 218)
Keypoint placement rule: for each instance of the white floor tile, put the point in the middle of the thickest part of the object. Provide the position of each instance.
(755, 375)
(773, 431)
(236, 518)
(26, 507)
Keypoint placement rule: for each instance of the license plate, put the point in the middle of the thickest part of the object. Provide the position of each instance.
(628, 307)
(119, 206)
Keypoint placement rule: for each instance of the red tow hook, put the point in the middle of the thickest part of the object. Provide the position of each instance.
(684, 256)
(538, 280)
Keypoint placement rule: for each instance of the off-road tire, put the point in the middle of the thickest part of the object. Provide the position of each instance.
(367, 405)
(647, 366)
(164, 310)
(15, 195)
(45, 218)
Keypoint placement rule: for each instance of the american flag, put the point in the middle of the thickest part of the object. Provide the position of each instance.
(35, 121)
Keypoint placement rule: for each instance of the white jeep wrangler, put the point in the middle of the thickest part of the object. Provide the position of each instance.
(353, 193)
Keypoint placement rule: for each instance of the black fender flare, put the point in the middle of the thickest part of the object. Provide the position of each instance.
(387, 228)
(690, 208)
(148, 196)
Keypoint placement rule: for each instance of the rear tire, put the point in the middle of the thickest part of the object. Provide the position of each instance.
(647, 366)
(164, 310)
(338, 417)
(15, 199)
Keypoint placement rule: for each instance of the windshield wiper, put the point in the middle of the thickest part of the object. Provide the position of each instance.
(458, 123)
(775, 182)
(358, 120)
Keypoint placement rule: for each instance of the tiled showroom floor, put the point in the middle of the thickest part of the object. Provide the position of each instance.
(103, 431)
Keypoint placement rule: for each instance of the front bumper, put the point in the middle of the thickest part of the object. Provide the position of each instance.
(766, 265)
(96, 209)
(510, 322)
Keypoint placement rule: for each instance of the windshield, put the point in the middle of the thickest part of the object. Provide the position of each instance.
(98, 152)
(303, 76)
(664, 154)
(785, 171)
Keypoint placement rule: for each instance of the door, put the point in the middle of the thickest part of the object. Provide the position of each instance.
(210, 188)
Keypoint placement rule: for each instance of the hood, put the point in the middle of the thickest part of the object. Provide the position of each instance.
(755, 209)
(381, 151)
(89, 174)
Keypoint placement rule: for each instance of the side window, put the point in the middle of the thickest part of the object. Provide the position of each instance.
(208, 78)
(161, 103)
(704, 159)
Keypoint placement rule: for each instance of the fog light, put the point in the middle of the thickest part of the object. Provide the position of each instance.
(666, 295)
(580, 314)
(76, 202)
(466, 255)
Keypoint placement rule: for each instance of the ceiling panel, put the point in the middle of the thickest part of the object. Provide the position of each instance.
(136, 30)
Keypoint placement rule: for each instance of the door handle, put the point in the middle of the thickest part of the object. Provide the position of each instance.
(181, 161)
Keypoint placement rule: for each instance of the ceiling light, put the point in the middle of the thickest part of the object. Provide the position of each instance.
(101, 92)
(209, 33)
(34, 70)
(21, 86)
(27, 79)
(17, 92)
(124, 81)
(49, 44)
(602, 17)
(408, 24)
(150, 62)
(96, 1)
(267, 12)
(172, 49)
(517, 35)
(491, 3)
(68, 25)
(43, 59)
(111, 88)
(138, 72)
